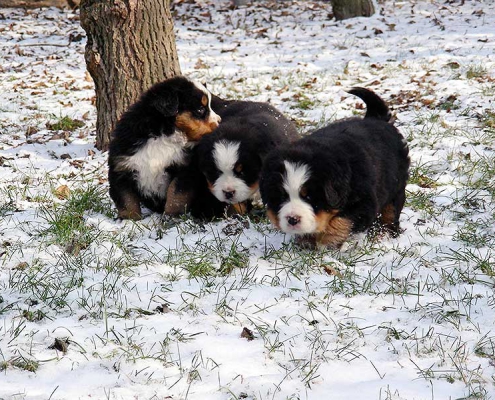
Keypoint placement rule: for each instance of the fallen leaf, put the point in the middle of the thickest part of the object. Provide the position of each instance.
(62, 192)
(60, 345)
(331, 271)
(247, 334)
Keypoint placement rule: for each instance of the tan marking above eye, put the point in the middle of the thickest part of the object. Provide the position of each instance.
(204, 100)
(238, 168)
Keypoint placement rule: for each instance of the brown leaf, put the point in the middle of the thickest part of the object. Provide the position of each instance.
(247, 334)
(453, 65)
(60, 345)
(284, 89)
(31, 130)
(200, 64)
(21, 266)
(163, 309)
(62, 192)
(331, 271)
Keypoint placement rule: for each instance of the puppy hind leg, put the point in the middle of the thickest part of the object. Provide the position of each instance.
(390, 214)
(388, 221)
(128, 205)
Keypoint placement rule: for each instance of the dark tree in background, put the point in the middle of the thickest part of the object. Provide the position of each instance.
(343, 9)
(130, 46)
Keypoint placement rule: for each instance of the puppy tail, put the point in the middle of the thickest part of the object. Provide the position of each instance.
(375, 106)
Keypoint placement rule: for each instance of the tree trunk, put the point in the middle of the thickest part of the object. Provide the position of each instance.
(343, 9)
(130, 46)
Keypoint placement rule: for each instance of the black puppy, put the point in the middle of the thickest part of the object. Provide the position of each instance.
(150, 140)
(232, 156)
(340, 179)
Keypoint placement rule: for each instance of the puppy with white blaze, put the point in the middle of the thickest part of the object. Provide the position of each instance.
(229, 187)
(341, 179)
(231, 157)
(152, 141)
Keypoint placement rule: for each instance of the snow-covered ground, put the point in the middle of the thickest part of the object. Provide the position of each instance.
(157, 309)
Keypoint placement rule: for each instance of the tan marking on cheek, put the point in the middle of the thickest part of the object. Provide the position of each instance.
(336, 233)
(193, 128)
(204, 100)
(323, 218)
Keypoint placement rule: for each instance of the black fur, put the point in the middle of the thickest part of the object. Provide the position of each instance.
(357, 166)
(375, 106)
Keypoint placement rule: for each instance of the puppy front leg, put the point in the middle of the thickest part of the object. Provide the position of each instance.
(307, 241)
(178, 200)
(128, 205)
(238, 208)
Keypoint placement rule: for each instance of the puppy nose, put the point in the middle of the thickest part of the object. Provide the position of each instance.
(229, 194)
(293, 219)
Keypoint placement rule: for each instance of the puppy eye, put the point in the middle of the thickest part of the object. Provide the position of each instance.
(201, 111)
(304, 194)
(238, 169)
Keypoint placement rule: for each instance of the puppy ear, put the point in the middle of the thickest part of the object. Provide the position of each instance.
(167, 105)
(331, 195)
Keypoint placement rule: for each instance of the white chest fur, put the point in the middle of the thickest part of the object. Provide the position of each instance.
(150, 161)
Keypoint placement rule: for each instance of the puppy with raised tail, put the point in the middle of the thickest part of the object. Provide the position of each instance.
(151, 140)
(340, 179)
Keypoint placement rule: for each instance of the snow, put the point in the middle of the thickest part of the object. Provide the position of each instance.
(410, 318)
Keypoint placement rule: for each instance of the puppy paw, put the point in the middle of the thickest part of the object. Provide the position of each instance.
(237, 208)
(306, 242)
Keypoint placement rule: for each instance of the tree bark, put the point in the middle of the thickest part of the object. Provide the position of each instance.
(130, 46)
(343, 9)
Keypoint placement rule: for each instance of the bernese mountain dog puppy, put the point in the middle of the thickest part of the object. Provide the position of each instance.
(150, 142)
(340, 179)
(232, 156)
